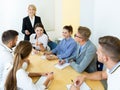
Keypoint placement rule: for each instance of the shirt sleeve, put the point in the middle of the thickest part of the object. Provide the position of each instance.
(25, 65)
(23, 26)
(70, 58)
(44, 40)
(88, 57)
(25, 82)
(68, 52)
(31, 38)
(56, 49)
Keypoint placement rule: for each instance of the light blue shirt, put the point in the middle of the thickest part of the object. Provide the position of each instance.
(65, 48)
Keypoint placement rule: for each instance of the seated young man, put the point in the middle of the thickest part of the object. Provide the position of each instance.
(109, 54)
(9, 39)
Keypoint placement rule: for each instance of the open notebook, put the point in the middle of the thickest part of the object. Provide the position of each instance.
(62, 66)
(84, 86)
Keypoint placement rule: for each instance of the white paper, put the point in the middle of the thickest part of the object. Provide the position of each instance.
(43, 57)
(84, 86)
(41, 80)
(62, 66)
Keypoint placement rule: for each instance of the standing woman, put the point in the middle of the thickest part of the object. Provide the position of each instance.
(30, 21)
(18, 78)
(39, 40)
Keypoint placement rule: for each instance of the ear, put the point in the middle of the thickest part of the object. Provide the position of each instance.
(10, 43)
(105, 58)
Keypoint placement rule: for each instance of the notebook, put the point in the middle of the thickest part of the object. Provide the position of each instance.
(62, 66)
(84, 86)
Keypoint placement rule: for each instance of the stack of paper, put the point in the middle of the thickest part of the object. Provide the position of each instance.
(62, 66)
(84, 86)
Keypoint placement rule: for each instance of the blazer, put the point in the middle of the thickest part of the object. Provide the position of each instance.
(26, 25)
(86, 59)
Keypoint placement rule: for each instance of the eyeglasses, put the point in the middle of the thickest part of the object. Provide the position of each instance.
(77, 36)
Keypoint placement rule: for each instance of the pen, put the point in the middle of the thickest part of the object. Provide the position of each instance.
(72, 81)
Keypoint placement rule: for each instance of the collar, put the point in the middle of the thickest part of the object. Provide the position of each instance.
(67, 38)
(114, 68)
(8, 49)
(31, 18)
(82, 45)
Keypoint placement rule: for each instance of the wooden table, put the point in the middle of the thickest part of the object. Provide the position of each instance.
(61, 77)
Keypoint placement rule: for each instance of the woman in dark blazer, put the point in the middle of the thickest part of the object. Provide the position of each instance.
(30, 21)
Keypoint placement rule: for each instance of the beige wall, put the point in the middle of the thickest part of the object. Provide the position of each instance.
(71, 13)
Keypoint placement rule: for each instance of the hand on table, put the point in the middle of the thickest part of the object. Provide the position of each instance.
(51, 57)
(35, 51)
(47, 53)
(50, 76)
(61, 62)
(79, 80)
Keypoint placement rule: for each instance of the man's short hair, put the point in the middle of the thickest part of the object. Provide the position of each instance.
(84, 32)
(8, 36)
(110, 46)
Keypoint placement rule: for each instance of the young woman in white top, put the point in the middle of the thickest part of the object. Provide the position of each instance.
(18, 78)
(39, 40)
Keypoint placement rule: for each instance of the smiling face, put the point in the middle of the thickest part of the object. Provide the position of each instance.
(78, 38)
(31, 10)
(39, 31)
(66, 34)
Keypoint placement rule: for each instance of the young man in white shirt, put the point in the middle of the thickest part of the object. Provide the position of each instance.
(108, 53)
(9, 39)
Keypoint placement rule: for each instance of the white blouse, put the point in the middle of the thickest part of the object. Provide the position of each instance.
(24, 82)
(32, 20)
(43, 39)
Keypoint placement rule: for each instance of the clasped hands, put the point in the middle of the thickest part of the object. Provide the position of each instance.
(51, 56)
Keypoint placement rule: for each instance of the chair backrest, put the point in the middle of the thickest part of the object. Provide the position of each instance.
(99, 66)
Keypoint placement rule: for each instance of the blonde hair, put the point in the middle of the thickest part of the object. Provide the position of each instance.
(33, 6)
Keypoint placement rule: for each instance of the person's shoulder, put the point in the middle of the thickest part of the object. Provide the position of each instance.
(44, 35)
(25, 17)
(33, 35)
(72, 40)
(20, 71)
(1, 47)
(37, 17)
(90, 45)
